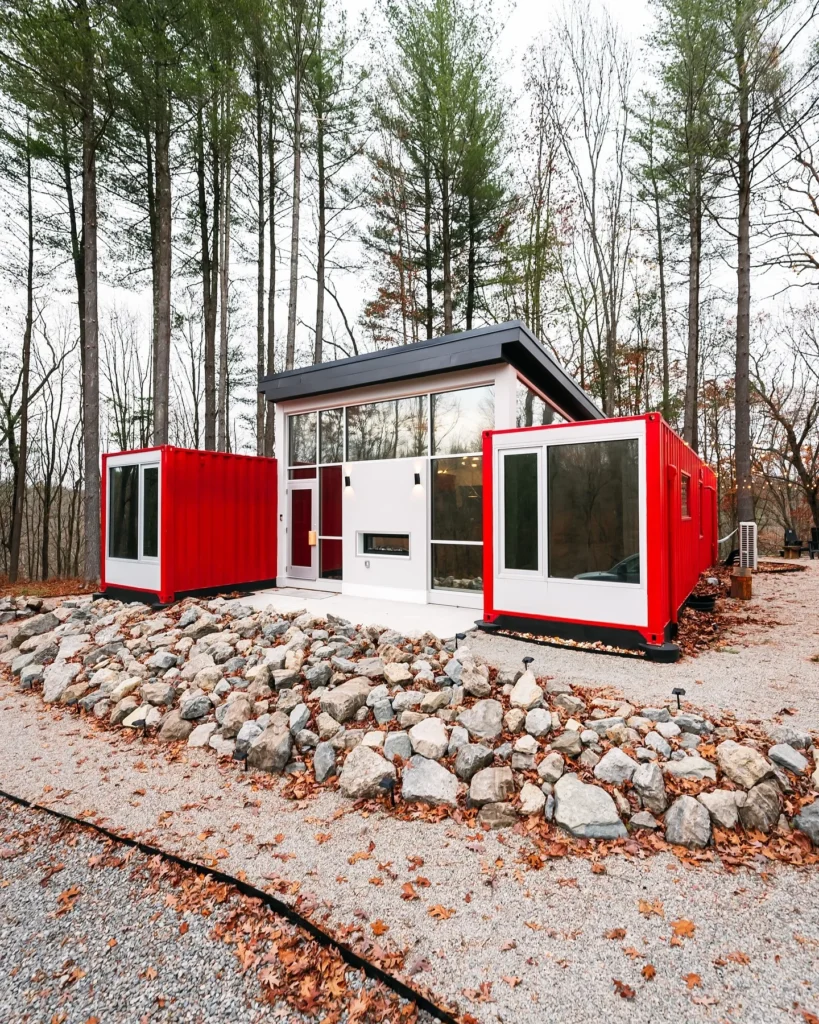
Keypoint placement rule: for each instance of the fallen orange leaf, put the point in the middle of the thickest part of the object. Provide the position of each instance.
(683, 929)
(649, 971)
(692, 980)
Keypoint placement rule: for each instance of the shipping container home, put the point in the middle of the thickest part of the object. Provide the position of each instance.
(595, 531)
(380, 460)
(177, 521)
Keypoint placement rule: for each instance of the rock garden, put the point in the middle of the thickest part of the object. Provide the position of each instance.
(422, 725)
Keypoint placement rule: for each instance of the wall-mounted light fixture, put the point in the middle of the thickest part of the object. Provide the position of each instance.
(417, 479)
(347, 481)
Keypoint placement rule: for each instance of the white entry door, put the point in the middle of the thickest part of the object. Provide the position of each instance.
(302, 529)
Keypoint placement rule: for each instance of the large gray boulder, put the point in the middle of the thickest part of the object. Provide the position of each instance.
(743, 765)
(483, 720)
(365, 774)
(175, 727)
(238, 712)
(343, 701)
(586, 811)
(687, 823)
(807, 821)
(246, 735)
(615, 767)
(491, 785)
(538, 722)
(721, 804)
(324, 761)
(429, 782)
(791, 735)
(57, 678)
(34, 626)
(649, 786)
(471, 758)
(694, 767)
(270, 752)
(196, 706)
(788, 757)
(761, 807)
(429, 738)
(158, 693)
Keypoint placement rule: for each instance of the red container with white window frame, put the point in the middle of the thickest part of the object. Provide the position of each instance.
(595, 531)
(178, 521)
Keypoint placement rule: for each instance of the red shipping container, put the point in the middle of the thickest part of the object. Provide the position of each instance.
(552, 508)
(178, 521)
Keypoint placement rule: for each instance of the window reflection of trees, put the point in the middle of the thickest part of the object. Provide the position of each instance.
(387, 430)
(459, 419)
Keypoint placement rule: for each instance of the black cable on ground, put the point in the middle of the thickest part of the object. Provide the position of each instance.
(277, 906)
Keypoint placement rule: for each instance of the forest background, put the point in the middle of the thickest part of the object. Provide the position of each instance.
(199, 192)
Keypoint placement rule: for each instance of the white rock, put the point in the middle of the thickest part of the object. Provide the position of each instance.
(429, 782)
(721, 804)
(429, 738)
(200, 737)
(743, 765)
(691, 768)
(374, 739)
(586, 811)
(526, 694)
(615, 767)
(532, 800)
(365, 774)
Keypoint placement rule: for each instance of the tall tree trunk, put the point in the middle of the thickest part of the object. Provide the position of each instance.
(742, 440)
(428, 246)
(76, 240)
(163, 334)
(446, 245)
(290, 351)
(690, 421)
(210, 324)
(91, 369)
(22, 453)
(666, 406)
(223, 428)
(321, 241)
(260, 184)
(153, 233)
(269, 430)
(471, 261)
(208, 312)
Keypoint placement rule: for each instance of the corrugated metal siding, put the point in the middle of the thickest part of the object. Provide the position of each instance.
(691, 542)
(220, 511)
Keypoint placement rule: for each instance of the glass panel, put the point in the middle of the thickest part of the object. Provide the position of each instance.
(685, 486)
(457, 498)
(385, 544)
(387, 430)
(304, 473)
(459, 418)
(123, 519)
(594, 513)
(457, 566)
(330, 557)
(521, 519)
(330, 501)
(301, 432)
(150, 512)
(301, 522)
(532, 411)
(331, 435)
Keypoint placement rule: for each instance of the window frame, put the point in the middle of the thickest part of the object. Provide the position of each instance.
(541, 573)
(141, 465)
(685, 495)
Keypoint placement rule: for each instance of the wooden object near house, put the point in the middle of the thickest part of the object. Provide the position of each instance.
(793, 551)
(741, 587)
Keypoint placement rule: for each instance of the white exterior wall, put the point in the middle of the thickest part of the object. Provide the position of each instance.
(143, 573)
(383, 496)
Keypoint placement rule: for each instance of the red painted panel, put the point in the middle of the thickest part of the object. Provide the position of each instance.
(218, 520)
(330, 555)
(301, 522)
(330, 500)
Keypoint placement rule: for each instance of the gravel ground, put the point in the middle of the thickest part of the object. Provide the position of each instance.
(760, 669)
(534, 939)
(98, 942)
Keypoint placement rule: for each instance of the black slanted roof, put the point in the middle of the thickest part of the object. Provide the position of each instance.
(511, 343)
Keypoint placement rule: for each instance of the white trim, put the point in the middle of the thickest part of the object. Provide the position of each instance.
(311, 571)
(500, 475)
(142, 572)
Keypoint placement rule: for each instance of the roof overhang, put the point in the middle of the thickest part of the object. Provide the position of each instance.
(511, 343)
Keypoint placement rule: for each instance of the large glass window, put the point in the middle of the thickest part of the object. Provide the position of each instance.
(301, 432)
(532, 410)
(594, 511)
(457, 566)
(459, 419)
(387, 430)
(521, 516)
(331, 435)
(457, 498)
(123, 517)
(150, 512)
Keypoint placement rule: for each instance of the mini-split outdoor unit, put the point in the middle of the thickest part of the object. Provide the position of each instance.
(747, 545)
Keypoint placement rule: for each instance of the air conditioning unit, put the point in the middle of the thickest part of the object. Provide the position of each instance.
(747, 545)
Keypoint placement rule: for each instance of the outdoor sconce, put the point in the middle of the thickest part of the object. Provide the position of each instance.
(346, 481)
(417, 479)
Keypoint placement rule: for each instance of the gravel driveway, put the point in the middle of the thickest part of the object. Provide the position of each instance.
(759, 670)
(94, 932)
(507, 942)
